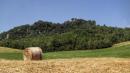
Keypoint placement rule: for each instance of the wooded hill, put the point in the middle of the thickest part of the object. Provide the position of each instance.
(74, 34)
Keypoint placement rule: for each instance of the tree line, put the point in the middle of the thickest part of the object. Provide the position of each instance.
(74, 34)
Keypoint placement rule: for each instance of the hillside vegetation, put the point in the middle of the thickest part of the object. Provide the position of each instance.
(74, 34)
(117, 52)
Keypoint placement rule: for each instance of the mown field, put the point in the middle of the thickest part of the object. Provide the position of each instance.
(110, 60)
(121, 50)
(77, 65)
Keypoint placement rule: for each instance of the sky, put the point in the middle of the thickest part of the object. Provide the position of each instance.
(19, 12)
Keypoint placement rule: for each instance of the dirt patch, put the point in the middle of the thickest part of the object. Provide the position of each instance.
(80, 65)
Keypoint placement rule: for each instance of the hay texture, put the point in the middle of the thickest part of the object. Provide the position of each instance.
(79, 65)
(32, 53)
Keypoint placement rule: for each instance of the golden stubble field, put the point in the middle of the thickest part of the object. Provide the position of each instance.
(79, 65)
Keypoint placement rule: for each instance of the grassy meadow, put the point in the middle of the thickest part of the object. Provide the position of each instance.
(121, 50)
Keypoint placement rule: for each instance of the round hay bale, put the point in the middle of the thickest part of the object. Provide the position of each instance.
(32, 53)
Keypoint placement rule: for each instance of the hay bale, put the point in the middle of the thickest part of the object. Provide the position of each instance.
(32, 53)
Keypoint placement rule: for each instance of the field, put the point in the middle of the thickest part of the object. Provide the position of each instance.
(78, 65)
(121, 50)
(110, 60)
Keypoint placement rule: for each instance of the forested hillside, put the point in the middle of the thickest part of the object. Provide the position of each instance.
(74, 34)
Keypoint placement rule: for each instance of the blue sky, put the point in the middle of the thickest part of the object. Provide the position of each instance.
(18, 12)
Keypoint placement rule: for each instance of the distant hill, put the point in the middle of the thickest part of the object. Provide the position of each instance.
(44, 27)
(74, 34)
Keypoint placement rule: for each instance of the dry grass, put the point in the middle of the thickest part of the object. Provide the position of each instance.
(122, 44)
(79, 65)
(5, 49)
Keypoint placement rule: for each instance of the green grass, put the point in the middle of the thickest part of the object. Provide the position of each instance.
(11, 56)
(118, 52)
(10, 53)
